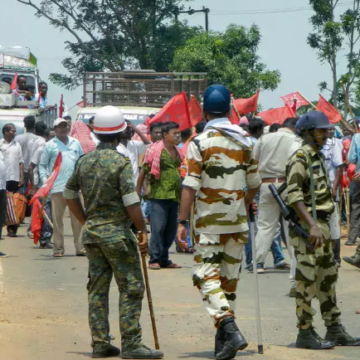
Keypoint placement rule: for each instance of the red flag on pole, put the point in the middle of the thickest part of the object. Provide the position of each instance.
(276, 116)
(246, 106)
(14, 82)
(45, 189)
(290, 99)
(234, 118)
(61, 107)
(80, 104)
(330, 111)
(195, 111)
(177, 110)
(37, 220)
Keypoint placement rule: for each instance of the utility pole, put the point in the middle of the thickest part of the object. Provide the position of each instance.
(204, 10)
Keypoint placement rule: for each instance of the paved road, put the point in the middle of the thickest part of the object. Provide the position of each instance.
(43, 304)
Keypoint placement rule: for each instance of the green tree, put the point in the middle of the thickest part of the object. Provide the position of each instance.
(113, 35)
(331, 34)
(229, 58)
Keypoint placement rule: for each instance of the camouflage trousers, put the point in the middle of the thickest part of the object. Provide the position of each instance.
(216, 271)
(316, 275)
(121, 259)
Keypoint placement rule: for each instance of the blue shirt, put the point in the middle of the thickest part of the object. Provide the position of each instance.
(71, 152)
(354, 152)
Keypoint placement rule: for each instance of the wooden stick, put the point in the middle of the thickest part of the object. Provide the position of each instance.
(151, 308)
(341, 205)
(307, 100)
(347, 207)
(348, 106)
(48, 219)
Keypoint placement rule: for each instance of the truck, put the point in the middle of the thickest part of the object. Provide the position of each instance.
(138, 94)
(20, 61)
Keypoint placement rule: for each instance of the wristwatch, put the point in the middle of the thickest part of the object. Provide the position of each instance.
(182, 222)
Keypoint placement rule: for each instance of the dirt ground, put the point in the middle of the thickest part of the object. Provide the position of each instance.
(43, 304)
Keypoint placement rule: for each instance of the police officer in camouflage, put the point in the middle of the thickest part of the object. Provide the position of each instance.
(105, 178)
(309, 193)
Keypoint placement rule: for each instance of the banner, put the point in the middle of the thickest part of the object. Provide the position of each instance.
(276, 116)
(290, 99)
(176, 110)
(46, 188)
(246, 106)
(330, 111)
(196, 114)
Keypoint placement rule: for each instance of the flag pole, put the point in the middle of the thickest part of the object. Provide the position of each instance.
(307, 100)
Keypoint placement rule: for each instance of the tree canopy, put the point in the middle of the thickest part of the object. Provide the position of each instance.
(229, 58)
(112, 35)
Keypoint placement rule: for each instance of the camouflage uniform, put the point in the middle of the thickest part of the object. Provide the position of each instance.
(105, 179)
(316, 273)
(221, 168)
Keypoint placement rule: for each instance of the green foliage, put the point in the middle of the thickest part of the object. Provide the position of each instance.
(113, 35)
(229, 58)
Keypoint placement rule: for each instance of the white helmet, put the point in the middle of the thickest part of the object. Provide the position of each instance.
(109, 120)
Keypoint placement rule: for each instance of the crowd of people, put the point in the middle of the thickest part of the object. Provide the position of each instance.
(117, 178)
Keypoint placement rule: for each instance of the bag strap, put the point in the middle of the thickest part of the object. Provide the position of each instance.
(312, 185)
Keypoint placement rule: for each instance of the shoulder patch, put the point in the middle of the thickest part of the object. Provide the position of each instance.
(300, 153)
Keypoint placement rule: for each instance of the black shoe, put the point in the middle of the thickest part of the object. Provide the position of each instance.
(353, 260)
(309, 339)
(219, 340)
(337, 334)
(47, 245)
(350, 243)
(105, 351)
(234, 340)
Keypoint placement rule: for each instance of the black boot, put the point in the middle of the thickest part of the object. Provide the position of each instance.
(337, 333)
(219, 340)
(309, 339)
(104, 351)
(234, 340)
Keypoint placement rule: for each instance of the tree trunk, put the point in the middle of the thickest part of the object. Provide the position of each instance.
(335, 84)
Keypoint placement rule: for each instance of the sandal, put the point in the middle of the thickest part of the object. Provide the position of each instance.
(154, 266)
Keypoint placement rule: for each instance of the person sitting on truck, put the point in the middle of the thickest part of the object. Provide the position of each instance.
(41, 96)
(21, 86)
(28, 96)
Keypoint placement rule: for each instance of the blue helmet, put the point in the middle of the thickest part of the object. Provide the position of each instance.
(312, 120)
(217, 99)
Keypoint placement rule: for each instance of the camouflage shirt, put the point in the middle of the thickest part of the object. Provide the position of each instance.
(298, 180)
(221, 171)
(105, 179)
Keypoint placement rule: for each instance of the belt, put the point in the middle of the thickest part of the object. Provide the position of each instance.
(273, 180)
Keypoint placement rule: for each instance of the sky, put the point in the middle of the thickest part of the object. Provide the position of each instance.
(283, 45)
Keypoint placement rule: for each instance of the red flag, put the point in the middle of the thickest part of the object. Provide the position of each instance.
(177, 110)
(330, 111)
(61, 107)
(37, 220)
(39, 97)
(276, 116)
(290, 98)
(195, 111)
(14, 82)
(293, 107)
(246, 106)
(80, 104)
(45, 189)
(234, 118)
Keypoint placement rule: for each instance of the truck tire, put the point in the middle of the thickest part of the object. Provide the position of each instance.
(5, 88)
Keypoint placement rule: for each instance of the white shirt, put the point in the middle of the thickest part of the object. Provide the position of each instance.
(29, 143)
(332, 152)
(13, 158)
(43, 101)
(35, 159)
(133, 151)
(272, 152)
(2, 173)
